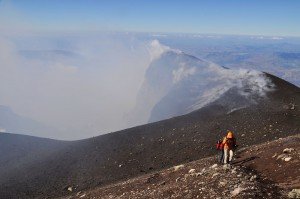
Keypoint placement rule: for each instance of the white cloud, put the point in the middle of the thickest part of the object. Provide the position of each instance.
(156, 49)
(277, 38)
(84, 93)
(223, 79)
(182, 72)
(60, 67)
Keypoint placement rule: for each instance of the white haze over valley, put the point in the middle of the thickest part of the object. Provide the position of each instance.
(81, 86)
(86, 84)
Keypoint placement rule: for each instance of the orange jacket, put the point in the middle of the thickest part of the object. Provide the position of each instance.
(227, 144)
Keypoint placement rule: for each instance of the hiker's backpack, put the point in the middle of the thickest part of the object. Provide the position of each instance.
(230, 143)
(220, 145)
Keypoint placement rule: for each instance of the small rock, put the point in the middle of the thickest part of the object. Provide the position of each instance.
(223, 183)
(215, 174)
(288, 150)
(287, 159)
(253, 178)
(236, 191)
(292, 106)
(70, 189)
(191, 171)
(214, 166)
(226, 166)
(295, 193)
(282, 156)
(78, 193)
(233, 171)
(176, 168)
(82, 196)
(162, 183)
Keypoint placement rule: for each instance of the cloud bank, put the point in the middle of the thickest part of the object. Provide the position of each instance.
(83, 85)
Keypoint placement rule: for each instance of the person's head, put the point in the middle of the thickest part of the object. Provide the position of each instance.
(229, 134)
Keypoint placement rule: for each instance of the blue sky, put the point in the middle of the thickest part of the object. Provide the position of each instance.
(255, 17)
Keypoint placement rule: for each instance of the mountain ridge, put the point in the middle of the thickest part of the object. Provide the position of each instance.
(177, 83)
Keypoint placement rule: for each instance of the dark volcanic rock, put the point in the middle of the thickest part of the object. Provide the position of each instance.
(128, 153)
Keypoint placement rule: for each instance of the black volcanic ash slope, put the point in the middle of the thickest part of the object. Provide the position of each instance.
(116, 156)
(18, 152)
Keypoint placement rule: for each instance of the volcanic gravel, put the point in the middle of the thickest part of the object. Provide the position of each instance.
(256, 172)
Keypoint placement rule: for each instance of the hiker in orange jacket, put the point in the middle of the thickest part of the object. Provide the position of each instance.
(229, 143)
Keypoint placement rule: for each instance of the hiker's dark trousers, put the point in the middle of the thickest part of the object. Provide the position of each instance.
(221, 156)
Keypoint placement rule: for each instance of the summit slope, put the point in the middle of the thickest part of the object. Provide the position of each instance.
(259, 171)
